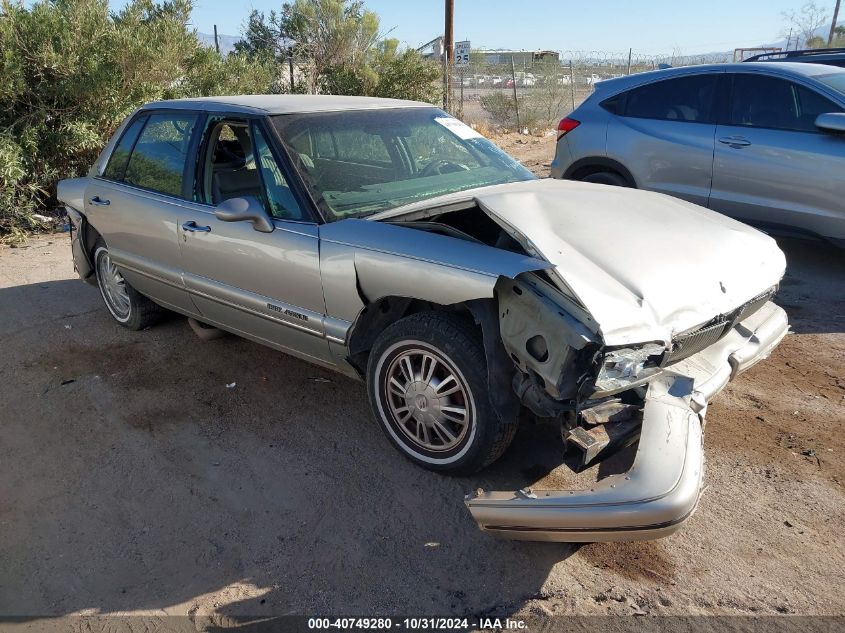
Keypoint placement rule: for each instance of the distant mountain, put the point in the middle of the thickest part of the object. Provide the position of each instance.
(227, 42)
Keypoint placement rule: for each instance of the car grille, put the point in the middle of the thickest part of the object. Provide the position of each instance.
(686, 345)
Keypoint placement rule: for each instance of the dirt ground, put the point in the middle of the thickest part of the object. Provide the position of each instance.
(132, 479)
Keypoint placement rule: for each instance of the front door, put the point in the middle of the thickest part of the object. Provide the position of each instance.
(772, 165)
(265, 286)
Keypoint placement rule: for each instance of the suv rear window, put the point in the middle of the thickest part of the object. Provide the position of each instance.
(688, 99)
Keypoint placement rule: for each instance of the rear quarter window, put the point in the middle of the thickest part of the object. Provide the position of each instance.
(120, 155)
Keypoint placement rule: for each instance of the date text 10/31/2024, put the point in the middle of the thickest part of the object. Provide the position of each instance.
(417, 624)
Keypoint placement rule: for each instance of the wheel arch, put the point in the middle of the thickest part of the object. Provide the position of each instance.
(593, 164)
(377, 316)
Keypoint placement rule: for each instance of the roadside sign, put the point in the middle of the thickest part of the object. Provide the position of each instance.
(461, 54)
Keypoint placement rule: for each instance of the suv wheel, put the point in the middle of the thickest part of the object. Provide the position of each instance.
(606, 178)
(128, 307)
(427, 383)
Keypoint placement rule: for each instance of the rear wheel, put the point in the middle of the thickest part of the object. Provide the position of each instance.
(606, 178)
(128, 307)
(427, 382)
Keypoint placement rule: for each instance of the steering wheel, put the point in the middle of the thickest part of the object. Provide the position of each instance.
(441, 166)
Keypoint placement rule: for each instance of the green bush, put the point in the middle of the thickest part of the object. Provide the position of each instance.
(70, 72)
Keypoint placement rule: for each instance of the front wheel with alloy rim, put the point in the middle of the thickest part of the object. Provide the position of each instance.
(427, 383)
(128, 307)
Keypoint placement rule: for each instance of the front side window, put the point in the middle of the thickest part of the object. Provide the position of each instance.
(688, 99)
(279, 198)
(360, 162)
(239, 163)
(160, 155)
(769, 102)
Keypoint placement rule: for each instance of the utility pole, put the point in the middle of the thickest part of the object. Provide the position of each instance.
(515, 99)
(216, 42)
(833, 24)
(448, 48)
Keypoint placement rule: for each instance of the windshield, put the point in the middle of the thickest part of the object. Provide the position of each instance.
(833, 80)
(360, 162)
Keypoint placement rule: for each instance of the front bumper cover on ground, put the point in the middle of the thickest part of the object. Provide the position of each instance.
(662, 487)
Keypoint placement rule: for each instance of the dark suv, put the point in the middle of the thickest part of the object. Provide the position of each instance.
(829, 56)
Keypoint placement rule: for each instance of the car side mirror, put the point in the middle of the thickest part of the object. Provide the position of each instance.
(831, 122)
(246, 209)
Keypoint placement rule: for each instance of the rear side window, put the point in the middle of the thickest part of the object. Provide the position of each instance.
(688, 99)
(120, 156)
(160, 154)
(778, 104)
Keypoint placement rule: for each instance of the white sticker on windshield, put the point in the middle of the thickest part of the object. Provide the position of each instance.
(458, 128)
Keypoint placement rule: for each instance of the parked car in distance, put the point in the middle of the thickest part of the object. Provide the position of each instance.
(388, 241)
(829, 56)
(761, 142)
(525, 80)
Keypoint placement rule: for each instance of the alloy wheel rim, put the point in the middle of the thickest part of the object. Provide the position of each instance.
(113, 285)
(428, 399)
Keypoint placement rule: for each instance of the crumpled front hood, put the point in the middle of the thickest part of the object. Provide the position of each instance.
(647, 266)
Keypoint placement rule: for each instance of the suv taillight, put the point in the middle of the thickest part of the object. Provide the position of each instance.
(565, 126)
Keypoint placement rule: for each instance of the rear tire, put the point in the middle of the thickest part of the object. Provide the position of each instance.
(126, 305)
(427, 384)
(606, 178)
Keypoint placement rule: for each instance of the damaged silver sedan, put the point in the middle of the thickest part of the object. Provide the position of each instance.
(389, 241)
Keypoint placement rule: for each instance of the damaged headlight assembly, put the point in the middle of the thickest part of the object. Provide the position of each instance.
(628, 367)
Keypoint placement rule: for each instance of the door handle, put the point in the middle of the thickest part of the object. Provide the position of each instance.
(193, 228)
(735, 141)
(99, 202)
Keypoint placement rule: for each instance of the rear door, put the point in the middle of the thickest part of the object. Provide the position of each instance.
(664, 135)
(265, 286)
(136, 201)
(772, 166)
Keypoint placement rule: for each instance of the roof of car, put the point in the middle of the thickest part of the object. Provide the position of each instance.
(283, 104)
(784, 68)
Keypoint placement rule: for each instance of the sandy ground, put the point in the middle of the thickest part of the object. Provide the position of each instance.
(133, 480)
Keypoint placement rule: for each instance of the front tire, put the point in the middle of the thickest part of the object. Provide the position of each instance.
(126, 305)
(427, 384)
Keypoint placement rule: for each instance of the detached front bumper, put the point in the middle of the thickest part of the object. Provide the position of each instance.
(662, 487)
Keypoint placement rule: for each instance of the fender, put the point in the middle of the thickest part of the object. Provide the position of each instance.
(362, 262)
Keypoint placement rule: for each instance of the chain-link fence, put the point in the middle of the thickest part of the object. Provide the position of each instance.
(534, 89)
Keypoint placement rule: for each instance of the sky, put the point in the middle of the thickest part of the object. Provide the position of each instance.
(648, 26)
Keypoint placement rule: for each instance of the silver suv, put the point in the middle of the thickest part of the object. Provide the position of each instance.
(761, 142)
